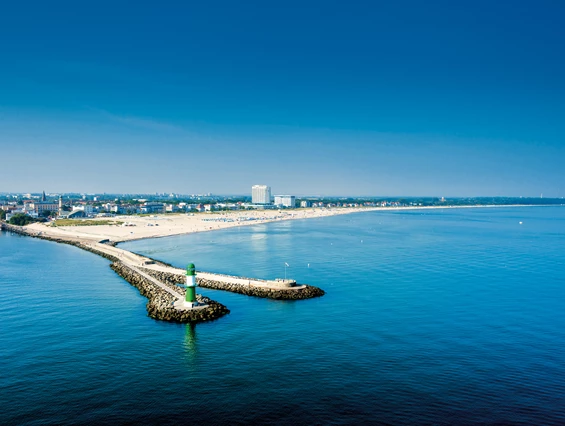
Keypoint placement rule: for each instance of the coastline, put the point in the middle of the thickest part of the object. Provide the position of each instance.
(157, 280)
(160, 226)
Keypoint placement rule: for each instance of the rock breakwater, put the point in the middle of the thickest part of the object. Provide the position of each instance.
(306, 292)
(160, 303)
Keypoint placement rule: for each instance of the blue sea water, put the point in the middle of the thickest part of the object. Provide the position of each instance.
(430, 317)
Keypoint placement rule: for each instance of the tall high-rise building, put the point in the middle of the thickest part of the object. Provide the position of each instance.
(261, 194)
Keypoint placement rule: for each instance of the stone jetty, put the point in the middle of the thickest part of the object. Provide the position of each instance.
(160, 304)
(265, 291)
(159, 281)
(161, 296)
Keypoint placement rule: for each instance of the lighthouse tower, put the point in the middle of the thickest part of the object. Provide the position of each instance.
(190, 300)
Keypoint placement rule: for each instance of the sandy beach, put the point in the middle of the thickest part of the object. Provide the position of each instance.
(161, 225)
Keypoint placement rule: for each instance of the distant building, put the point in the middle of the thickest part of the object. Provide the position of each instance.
(76, 214)
(172, 208)
(29, 206)
(153, 208)
(125, 209)
(88, 209)
(227, 206)
(45, 206)
(261, 194)
(304, 204)
(285, 200)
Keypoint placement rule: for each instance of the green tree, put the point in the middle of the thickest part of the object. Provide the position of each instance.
(21, 219)
(46, 213)
(2, 215)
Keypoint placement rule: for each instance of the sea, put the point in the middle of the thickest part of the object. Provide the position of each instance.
(447, 316)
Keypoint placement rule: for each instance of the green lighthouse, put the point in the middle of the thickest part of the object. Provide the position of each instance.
(190, 299)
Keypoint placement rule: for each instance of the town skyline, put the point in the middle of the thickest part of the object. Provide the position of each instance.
(170, 194)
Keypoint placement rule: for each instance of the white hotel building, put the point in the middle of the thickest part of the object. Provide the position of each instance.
(261, 194)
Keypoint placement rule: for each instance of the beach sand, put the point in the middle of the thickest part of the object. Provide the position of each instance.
(163, 225)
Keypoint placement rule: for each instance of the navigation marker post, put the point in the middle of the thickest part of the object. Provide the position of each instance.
(286, 265)
(190, 299)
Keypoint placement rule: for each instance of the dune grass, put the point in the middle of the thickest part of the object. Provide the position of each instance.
(78, 222)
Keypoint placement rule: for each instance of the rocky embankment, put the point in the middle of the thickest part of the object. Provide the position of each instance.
(160, 304)
(307, 292)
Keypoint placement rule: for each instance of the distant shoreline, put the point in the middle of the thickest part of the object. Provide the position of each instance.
(160, 226)
(361, 210)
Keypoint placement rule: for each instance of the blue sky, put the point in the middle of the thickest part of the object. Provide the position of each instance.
(435, 98)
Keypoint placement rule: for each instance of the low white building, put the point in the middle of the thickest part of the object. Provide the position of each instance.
(153, 208)
(86, 208)
(285, 201)
(172, 208)
(11, 213)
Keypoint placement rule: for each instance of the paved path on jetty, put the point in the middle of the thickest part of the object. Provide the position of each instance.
(134, 260)
(228, 279)
(155, 281)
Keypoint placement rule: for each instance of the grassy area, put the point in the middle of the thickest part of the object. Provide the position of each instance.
(76, 222)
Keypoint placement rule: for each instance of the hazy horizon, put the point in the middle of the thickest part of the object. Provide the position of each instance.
(166, 193)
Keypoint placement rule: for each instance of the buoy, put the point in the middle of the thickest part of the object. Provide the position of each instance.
(520, 223)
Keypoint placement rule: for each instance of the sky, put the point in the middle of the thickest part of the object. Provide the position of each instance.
(373, 98)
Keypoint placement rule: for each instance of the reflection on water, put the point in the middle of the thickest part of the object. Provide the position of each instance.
(190, 343)
(286, 306)
(259, 240)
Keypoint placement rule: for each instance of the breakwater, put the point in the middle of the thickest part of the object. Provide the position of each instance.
(160, 302)
(161, 289)
(304, 292)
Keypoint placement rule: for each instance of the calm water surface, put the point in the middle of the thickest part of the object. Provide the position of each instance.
(430, 317)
